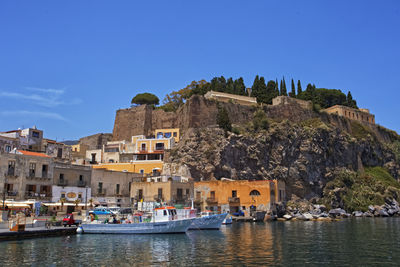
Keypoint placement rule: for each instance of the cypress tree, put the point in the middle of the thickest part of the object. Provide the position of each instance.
(293, 93)
(230, 87)
(283, 87)
(299, 90)
(276, 87)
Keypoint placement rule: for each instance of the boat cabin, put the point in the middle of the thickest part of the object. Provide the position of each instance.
(165, 214)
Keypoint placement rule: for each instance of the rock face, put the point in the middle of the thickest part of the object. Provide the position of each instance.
(305, 157)
(96, 141)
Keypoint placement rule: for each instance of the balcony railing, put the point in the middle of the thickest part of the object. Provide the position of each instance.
(9, 174)
(35, 195)
(211, 200)
(12, 193)
(233, 200)
(62, 183)
(81, 183)
(159, 198)
(101, 192)
(44, 175)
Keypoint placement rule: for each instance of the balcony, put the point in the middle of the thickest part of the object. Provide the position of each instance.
(12, 193)
(212, 200)
(44, 175)
(10, 174)
(62, 183)
(39, 196)
(233, 200)
(81, 183)
(197, 200)
(159, 198)
(101, 192)
(180, 199)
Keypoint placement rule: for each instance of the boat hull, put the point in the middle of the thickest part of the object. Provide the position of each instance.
(168, 227)
(211, 222)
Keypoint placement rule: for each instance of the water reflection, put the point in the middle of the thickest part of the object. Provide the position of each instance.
(348, 242)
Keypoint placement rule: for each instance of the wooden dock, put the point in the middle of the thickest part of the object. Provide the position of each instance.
(38, 232)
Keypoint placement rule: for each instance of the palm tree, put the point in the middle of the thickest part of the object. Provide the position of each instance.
(62, 201)
(77, 201)
(91, 202)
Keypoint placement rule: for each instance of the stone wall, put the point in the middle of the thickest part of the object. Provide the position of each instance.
(96, 141)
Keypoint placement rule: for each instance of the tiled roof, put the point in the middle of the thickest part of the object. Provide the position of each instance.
(30, 153)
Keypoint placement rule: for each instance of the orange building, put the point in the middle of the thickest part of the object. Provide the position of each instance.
(229, 195)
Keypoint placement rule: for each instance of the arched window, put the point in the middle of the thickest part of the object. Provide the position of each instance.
(254, 193)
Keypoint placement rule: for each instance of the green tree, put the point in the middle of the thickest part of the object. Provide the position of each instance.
(293, 92)
(299, 90)
(271, 92)
(276, 87)
(259, 89)
(260, 120)
(283, 87)
(350, 101)
(145, 98)
(223, 120)
(239, 87)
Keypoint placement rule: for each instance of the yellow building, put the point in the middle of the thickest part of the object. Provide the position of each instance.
(163, 189)
(168, 133)
(237, 195)
(143, 167)
(361, 115)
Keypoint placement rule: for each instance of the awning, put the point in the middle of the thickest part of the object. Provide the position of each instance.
(17, 206)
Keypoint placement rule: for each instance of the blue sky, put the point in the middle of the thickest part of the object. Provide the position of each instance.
(67, 66)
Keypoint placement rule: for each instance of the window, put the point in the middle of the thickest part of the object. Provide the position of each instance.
(44, 171)
(35, 134)
(140, 194)
(159, 193)
(61, 177)
(32, 169)
(254, 193)
(234, 193)
(117, 189)
(62, 195)
(11, 168)
(141, 171)
(100, 188)
(59, 153)
(8, 148)
(212, 194)
(175, 134)
(80, 195)
(165, 212)
(159, 146)
(179, 193)
(187, 192)
(93, 158)
(143, 147)
(198, 195)
(80, 178)
(111, 161)
(167, 135)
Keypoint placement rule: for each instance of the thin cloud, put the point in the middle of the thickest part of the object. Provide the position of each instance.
(46, 97)
(46, 90)
(23, 113)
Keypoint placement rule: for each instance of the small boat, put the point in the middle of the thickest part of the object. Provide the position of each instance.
(207, 220)
(227, 220)
(163, 221)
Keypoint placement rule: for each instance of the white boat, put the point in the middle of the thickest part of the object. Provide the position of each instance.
(164, 220)
(207, 221)
(228, 220)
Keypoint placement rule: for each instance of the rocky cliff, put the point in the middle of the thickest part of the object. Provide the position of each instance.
(304, 148)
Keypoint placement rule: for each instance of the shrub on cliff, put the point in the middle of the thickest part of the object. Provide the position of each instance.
(223, 120)
(145, 98)
(356, 191)
(260, 121)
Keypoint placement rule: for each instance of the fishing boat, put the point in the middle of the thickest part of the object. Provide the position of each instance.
(227, 220)
(206, 221)
(163, 221)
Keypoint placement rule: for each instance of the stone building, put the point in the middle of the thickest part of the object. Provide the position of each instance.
(225, 97)
(235, 195)
(71, 182)
(56, 149)
(361, 115)
(287, 100)
(112, 188)
(8, 143)
(28, 139)
(163, 189)
(26, 175)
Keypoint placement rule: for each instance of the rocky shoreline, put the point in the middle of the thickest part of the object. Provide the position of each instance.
(320, 212)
